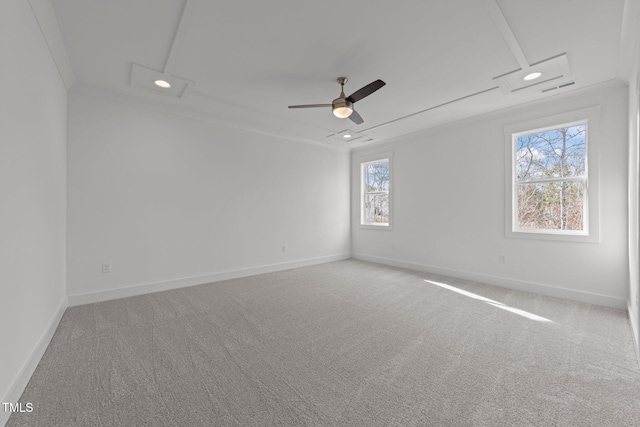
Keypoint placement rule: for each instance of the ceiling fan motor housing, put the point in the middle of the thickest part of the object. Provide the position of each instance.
(341, 107)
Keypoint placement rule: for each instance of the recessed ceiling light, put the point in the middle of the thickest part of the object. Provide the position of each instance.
(163, 84)
(532, 76)
(347, 135)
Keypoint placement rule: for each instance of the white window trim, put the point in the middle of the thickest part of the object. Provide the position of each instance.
(367, 159)
(591, 117)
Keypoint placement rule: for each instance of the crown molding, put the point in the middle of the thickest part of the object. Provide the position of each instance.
(213, 115)
(608, 85)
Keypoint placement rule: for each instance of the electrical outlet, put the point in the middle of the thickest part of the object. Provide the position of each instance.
(502, 259)
(284, 247)
(106, 267)
(393, 245)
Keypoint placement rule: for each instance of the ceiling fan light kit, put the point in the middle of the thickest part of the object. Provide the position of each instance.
(342, 106)
(342, 110)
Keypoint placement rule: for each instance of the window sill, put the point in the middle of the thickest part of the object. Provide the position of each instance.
(375, 227)
(554, 236)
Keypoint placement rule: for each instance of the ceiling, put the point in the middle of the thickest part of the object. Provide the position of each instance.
(241, 63)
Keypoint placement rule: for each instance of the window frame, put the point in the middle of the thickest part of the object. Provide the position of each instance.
(362, 161)
(591, 233)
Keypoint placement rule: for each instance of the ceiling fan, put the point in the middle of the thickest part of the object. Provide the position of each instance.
(343, 105)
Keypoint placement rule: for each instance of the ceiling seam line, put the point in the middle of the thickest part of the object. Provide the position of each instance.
(49, 28)
(187, 15)
(507, 34)
(430, 108)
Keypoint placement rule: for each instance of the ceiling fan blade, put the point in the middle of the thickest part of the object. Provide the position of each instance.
(356, 118)
(310, 106)
(365, 91)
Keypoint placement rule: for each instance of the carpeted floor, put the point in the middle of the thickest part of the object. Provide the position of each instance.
(347, 343)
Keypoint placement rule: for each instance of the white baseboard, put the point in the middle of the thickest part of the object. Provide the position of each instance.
(146, 288)
(23, 377)
(520, 285)
(634, 329)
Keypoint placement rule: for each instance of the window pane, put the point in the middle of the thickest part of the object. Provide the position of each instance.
(376, 208)
(376, 176)
(551, 206)
(556, 153)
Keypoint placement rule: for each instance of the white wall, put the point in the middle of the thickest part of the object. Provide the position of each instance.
(172, 201)
(32, 196)
(634, 197)
(449, 206)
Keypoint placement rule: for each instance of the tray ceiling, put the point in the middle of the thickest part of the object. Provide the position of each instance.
(241, 63)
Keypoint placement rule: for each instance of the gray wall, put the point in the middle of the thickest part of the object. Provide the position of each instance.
(172, 201)
(449, 206)
(33, 119)
(634, 197)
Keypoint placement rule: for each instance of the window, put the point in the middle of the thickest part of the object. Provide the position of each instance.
(375, 176)
(552, 178)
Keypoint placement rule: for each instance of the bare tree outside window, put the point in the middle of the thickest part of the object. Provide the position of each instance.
(375, 192)
(551, 179)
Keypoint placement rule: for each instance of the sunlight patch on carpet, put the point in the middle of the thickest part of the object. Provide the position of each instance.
(491, 302)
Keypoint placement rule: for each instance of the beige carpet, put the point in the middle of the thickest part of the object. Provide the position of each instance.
(340, 344)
